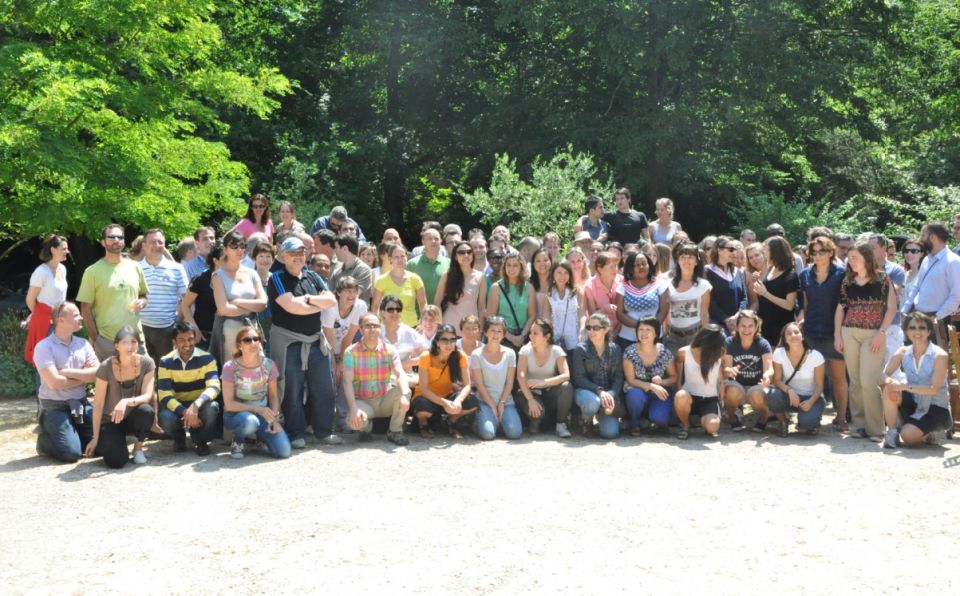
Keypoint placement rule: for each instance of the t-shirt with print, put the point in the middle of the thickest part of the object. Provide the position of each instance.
(685, 306)
(749, 360)
(250, 384)
(331, 318)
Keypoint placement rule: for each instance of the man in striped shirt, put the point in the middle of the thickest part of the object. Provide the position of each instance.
(188, 386)
(374, 383)
(166, 284)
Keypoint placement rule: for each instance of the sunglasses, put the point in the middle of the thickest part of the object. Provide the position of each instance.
(114, 237)
(235, 245)
(594, 327)
(447, 340)
(393, 309)
(912, 251)
(464, 252)
(259, 206)
(251, 339)
(371, 326)
(728, 248)
(817, 253)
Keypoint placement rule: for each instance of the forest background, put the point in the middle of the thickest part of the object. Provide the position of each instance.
(169, 113)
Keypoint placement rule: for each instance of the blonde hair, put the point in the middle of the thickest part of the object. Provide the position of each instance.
(665, 203)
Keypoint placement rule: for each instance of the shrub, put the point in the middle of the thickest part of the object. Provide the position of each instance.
(16, 376)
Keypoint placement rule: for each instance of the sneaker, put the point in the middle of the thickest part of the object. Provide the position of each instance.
(40, 451)
(364, 437)
(202, 448)
(299, 443)
(138, 457)
(759, 427)
(331, 440)
(891, 438)
(179, 445)
(937, 437)
(236, 450)
(736, 426)
(534, 426)
(562, 430)
(588, 427)
(784, 429)
(398, 439)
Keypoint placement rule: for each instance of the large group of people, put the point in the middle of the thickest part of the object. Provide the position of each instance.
(275, 332)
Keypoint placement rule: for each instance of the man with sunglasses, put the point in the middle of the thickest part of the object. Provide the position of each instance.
(375, 384)
(112, 293)
(335, 221)
(297, 296)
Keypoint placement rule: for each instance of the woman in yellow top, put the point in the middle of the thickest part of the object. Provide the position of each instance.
(444, 385)
(406, 286)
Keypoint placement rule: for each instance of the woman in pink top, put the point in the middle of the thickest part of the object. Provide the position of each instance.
(601, 289)
(257, 218)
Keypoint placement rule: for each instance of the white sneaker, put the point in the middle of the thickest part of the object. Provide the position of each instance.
(139, 458)
(300, 443)
(236, 450)
(562, 430)
(890, 439)
(937, 437)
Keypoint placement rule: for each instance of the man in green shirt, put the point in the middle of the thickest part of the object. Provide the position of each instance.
(430, 266)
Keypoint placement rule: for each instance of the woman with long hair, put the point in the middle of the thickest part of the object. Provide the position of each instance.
(368, 254)
(256, 219)
(512, 297)
(122, 398)
(578, 262)
(596, 369)
(239, 296)
(664, 260)
(251, 400)
(699, 366)
(865, 311)
(777, 290)
(748, 367)
(820, 284)
(198, 305)
(444, 386)
(493, 369)
(288, 218)
(640, 296)
(688, 294)
(543, 389)
(48, 289)
(650, 375)
(462, 290)
(755, 265)
(729, 293)
(405, 285)
(565, 306)
(913, 251)
(797, 383)
(541, 264)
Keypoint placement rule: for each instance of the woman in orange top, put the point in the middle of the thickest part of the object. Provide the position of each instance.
(444, 385)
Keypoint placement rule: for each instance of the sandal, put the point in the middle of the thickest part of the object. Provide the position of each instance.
(684, 434)
(454, 433)
(842, 426)
(425, 432)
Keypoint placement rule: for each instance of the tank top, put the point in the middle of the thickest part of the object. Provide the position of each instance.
(565, 310)
(692, 379)
(243, 289)
(513, 298)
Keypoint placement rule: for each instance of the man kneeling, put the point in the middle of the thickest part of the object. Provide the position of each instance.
(374, 383)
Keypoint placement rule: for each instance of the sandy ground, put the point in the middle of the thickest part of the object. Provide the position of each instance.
(745, 514)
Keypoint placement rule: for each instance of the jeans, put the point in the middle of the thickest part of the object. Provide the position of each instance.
(779, 403)
(112, 442)
(487, 422)
(244, 424)
(172, 423)
(658, 410)
(61, 437)
(321, 396)
(589, 403)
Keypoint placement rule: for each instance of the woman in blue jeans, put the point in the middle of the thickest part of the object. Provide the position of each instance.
(596, 367)
(797, 385)
(650, 372)
(492, 371)
(250, 398)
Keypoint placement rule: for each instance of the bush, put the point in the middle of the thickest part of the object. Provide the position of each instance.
(756, 212)
(16, 376)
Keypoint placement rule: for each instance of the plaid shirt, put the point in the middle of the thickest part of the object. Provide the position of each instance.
(371, 368)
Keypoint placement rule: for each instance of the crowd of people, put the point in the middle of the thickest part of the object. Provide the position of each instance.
(275, 331)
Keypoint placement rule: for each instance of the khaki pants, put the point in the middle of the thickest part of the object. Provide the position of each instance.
(387, 404)
(866, 370)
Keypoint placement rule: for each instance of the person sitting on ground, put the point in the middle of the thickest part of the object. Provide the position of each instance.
(797, 385)
(748, 366)
(444, 385)
(544, 391)
(700, 381)
(251, 398)
(650, 373)
(375, 384)
(918, 408)
(66, 363)
(121, 402)
(493, 369)
(596, 366)
(188, 386)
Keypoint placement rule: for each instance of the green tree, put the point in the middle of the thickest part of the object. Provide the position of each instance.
(110, 110)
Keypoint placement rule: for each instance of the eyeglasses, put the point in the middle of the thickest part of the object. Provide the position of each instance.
(912, 251)
(464, 252)
(393, 309)
(259, 205)
(817, 253)
(114, 237)
(594, 327)
(251, 339)
(446, 340)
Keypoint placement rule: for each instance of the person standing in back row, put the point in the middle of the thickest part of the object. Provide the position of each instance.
(626, 225)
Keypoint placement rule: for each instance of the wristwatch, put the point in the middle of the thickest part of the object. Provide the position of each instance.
(307, 299)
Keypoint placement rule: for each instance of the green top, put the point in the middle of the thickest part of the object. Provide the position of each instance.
(109, 289)
(517, 300)
(430, 272)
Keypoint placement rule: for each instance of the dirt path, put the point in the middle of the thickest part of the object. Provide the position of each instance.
(747, 514)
